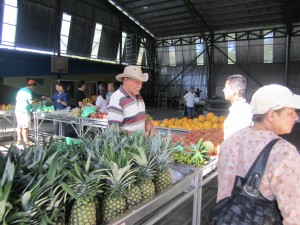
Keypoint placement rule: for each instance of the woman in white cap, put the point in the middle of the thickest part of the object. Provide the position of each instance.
(126, 106)
(274, 114)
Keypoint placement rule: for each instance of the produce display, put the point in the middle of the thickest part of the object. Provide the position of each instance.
(93, 182)
(98, 115)
(201, 122)
(7, 107)
(197, 146)
(86, 100)
(205, 134)
(76, 112)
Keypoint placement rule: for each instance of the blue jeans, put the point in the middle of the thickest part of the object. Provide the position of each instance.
(190, 112)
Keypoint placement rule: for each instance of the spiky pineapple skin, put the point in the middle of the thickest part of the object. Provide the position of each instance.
(113, 208)
(84, 212)
(134, 196)
(163, 180)
(147, 189)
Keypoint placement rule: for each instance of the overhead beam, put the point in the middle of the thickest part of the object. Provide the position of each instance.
(144, 3)
(159, 10)
(217, 5)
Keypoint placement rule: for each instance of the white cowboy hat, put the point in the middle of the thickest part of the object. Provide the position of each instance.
(134, 72)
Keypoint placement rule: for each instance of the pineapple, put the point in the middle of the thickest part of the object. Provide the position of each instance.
(200, 152)
(118, 179)
(84, 185)
(162, 148)
(134, 196)
(145, 162)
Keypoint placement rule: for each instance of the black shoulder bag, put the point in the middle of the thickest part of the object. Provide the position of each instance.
(246, 205)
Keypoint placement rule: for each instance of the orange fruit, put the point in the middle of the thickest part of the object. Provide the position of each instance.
(210, 116)
(201, 118)
(221, 119)
(155, 123)
(215, 119)
(207, 125)
(215, 125)
(221, 126)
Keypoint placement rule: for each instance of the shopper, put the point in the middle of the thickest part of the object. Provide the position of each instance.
(274, 114)
(126, 106)
(80, 95)
(69, 90)
(189, 99)
(24, 100)
(198, 93)
(111, 89)
(101, 102)
(240, 113)
(60, 101)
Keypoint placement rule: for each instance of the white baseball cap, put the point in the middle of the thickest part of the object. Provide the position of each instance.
(273, 97)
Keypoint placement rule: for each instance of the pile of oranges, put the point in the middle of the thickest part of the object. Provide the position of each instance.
(201, 122)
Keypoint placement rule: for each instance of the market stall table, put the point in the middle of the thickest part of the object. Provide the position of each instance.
(159, 206)
(40, 117)
(7, 116)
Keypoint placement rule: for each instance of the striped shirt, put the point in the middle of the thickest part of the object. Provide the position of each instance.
(126, 111)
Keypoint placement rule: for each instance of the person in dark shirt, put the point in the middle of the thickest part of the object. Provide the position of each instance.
(80, 93)
(60, 101)
(60, 98)
(198, 92)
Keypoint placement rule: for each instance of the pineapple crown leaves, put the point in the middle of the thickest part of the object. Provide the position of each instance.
(121, 158)
(119, 179)
(138, 138)
(83, 182)
(145, 162)
(39, 202)
(38, 159)
(5, 189)
(199, 147)
(200, 151)
(162, 147)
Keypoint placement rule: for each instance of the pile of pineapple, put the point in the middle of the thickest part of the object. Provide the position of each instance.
(94, 182)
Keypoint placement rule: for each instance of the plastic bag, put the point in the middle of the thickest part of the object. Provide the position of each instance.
(48, 108)
(87, 110)
(37, 107)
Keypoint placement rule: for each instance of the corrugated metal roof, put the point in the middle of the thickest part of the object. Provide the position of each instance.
(176, 17)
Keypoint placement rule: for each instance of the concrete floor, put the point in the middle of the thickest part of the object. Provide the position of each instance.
(182, 215)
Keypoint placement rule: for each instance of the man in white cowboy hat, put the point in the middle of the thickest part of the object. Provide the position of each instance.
(126, 106)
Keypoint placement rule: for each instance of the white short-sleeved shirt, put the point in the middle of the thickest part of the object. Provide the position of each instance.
(101, 103)
(240, 116)
(189, 99)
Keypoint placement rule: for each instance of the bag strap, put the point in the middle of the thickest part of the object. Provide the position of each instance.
(258, 167)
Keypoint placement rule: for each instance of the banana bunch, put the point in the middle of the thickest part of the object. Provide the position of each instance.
(86, 100)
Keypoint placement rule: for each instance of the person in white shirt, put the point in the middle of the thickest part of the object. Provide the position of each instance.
(189, 99)
(240, 113)
(101, 102)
